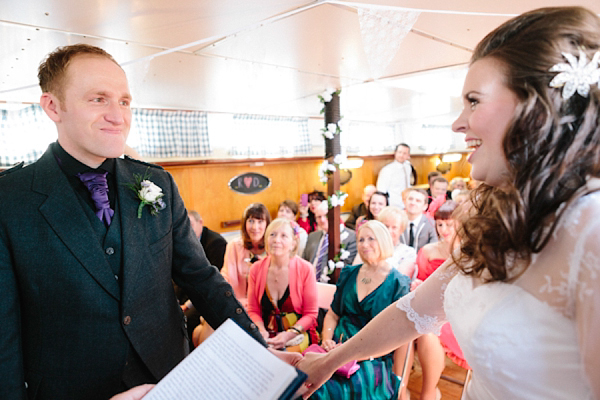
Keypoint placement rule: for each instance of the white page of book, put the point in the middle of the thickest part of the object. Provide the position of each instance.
(230, 364)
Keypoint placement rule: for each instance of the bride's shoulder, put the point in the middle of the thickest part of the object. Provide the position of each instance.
(582, 213)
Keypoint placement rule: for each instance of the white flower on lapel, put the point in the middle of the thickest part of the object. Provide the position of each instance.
(149, 194)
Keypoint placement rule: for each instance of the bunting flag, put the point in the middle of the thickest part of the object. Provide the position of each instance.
(382, 33)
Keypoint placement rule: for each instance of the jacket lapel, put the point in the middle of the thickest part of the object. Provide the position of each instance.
(62, 210)
(133, 229)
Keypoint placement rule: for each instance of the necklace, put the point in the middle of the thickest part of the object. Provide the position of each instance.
(275, 273)
(366, 280)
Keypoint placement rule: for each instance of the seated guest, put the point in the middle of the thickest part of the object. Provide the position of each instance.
(432, 255)
(282, 292)
(377, 201)
(362, 292)
(213, 243)
(420, 229)
(460, 196)
(430, 348)
(307, 213)
(457, 183)
(214, 247)
(317, 244)
(360, 209)
(439, 187)
(430, 177)
(243, 252)
(239, 257)
(288, 210)
(404, 257)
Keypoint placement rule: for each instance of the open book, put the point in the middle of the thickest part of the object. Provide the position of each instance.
(230, 364)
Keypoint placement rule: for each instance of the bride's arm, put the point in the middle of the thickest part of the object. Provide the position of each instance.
(414, 314)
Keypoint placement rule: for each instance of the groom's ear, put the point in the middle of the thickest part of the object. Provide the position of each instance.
(51, 106)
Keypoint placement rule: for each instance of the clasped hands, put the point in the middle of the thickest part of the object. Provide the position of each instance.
(279, 340)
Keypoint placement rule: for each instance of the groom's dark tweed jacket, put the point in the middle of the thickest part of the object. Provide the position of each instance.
(67, 324)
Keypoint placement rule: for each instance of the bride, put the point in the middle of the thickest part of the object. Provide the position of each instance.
(522, 293)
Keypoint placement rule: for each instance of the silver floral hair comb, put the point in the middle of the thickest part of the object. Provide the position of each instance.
(576, 75)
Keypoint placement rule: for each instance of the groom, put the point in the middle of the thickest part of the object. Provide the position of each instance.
(87, 307)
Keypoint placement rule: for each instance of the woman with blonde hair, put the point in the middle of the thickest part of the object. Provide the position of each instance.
(282, 291)
(522, 293)
(362, 292)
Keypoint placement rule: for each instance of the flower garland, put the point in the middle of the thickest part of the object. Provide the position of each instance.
(338, 259)
(338, 198)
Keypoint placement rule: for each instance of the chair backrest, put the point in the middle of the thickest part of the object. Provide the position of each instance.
(325, 292)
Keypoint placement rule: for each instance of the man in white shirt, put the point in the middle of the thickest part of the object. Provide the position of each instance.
(395, 177)
(420, 229)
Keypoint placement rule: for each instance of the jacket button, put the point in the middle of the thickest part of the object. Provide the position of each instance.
(127, 320)
(228, 293)
(238, 310)
(253, 326)
(110, 251)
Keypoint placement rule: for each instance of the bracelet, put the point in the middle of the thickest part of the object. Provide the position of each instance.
(292, 329)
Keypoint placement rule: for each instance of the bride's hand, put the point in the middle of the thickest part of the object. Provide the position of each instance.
(313, 364)
(291, 358)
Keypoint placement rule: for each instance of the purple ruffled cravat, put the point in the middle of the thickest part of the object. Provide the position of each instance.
(98, 187)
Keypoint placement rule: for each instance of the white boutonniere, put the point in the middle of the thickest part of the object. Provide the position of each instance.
(148, 193)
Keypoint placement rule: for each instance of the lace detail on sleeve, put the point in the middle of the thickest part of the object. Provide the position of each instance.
(423, 323)
(573, 251)
(425, 306)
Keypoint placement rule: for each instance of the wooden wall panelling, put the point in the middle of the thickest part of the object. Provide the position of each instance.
(204, 186)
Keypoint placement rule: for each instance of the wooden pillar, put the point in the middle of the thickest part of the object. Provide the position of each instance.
(333, 148)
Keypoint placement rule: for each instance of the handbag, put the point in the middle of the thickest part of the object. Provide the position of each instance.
(345, 370)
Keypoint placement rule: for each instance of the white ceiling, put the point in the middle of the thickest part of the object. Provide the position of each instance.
(259, 56)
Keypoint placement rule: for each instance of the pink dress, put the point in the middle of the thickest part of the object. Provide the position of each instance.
(453, 350)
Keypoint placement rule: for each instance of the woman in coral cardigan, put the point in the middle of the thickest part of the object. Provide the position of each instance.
(282, 291)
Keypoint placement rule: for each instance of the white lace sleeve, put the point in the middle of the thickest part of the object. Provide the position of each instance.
(566, 276)
(424, 307)
(585, 272)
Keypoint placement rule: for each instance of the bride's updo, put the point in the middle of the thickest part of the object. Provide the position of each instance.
(552, 145)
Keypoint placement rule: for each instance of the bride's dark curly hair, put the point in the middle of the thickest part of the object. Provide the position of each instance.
(552, 145)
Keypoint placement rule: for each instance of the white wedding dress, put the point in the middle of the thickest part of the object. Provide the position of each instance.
(536, 338)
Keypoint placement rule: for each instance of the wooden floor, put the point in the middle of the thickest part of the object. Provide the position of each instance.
(450, 390)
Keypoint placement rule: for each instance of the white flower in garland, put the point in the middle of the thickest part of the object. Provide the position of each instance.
(325, 169)
(339, 159)
(327, 134)
(334, 264)
(337, 199)
(343, 234)
(344, 254)
(327, 95)
(577, 75)
(330, 131)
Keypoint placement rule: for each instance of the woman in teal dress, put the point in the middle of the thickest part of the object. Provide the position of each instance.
(362, 292)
